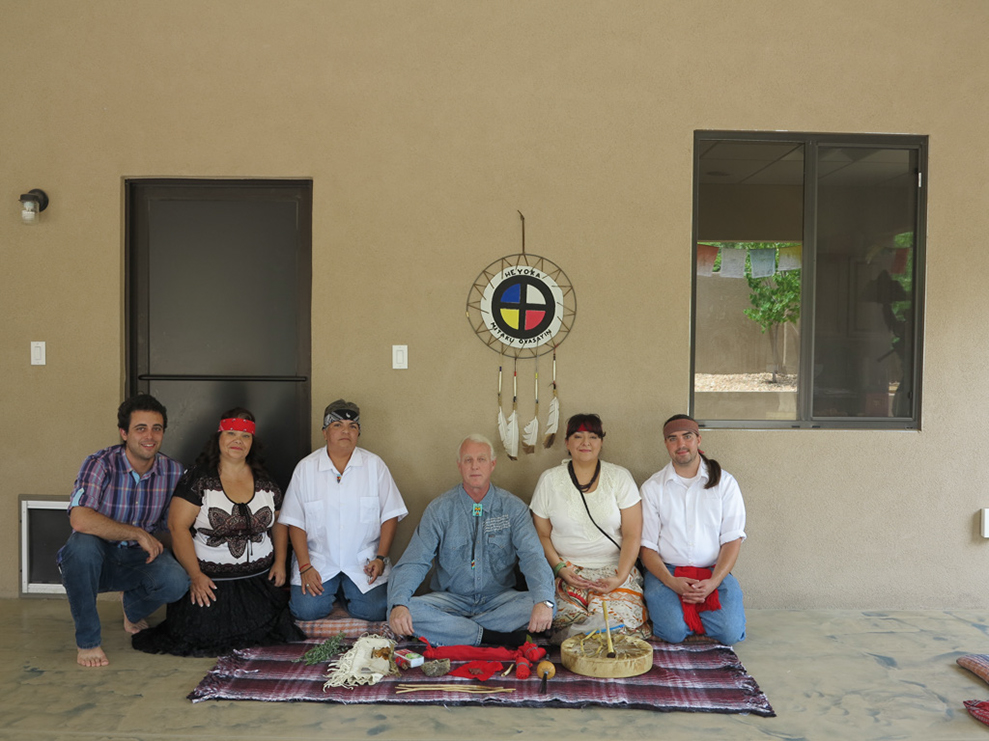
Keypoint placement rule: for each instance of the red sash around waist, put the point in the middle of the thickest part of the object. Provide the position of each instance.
(691, 611)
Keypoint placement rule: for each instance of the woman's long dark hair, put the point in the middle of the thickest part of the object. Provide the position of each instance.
(713, 467)
(209, 457)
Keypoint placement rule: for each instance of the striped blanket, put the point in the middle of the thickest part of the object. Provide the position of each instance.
(692, 677)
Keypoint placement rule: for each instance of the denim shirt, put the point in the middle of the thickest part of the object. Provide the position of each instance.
(495, 541)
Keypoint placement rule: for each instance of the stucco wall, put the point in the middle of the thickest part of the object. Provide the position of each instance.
(424, 126)
(727, 340)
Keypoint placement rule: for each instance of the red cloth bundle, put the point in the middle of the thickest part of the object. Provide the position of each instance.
(468, 653)
(524, 657)
(690, 610)
(479, 670)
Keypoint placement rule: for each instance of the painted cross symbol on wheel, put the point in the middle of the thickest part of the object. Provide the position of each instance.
(523, 307)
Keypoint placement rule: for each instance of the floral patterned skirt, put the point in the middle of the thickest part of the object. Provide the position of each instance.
(581, 611)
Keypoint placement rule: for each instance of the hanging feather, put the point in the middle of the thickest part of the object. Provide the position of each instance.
(552, 421)
(553, 418)
(502, 422)
(511, 439)
(530, 433)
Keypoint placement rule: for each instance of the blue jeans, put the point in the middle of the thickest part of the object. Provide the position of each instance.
(447, 619)
(726, 625)
(371, 606)
(91, 565)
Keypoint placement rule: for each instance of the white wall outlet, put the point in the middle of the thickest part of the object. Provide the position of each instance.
(38, 353)
(399, 357)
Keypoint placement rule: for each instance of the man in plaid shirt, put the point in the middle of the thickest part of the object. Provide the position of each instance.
(118, 501)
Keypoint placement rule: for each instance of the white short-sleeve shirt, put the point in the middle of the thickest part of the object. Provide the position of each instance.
(686, 523)
(342, 513)
(574, 535)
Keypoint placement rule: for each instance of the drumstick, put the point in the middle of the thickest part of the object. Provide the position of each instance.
(611, 646)
(601, 630)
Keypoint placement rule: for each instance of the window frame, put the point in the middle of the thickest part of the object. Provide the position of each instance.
(812, 143)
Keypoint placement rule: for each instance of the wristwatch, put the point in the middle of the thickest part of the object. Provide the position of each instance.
(384, 559)
(549, 604)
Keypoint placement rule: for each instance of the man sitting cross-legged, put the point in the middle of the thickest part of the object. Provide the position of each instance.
(476, 533)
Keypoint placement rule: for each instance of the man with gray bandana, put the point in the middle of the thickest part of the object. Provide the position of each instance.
(342, 508)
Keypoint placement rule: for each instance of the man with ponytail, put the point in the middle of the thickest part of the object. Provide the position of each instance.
(693, 525)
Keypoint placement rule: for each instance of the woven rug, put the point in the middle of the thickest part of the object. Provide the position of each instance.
(692, 677)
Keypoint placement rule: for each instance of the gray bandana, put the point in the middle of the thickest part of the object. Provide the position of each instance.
(340, 410)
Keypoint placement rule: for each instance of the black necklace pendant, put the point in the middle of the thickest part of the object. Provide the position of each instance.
(582, 488)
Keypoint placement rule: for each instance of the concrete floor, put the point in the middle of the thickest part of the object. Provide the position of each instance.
(832, 674)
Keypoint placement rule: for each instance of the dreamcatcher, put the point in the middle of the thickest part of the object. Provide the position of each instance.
(523, 306)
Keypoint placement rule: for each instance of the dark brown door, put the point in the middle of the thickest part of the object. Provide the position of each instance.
(219, 286)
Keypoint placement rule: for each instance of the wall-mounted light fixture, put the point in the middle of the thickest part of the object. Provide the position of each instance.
(32, 204)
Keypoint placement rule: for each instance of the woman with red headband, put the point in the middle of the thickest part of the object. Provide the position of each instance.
(222, 520)
(588, 516)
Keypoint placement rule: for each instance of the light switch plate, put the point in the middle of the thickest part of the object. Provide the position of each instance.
(38, 353)
(399, 357)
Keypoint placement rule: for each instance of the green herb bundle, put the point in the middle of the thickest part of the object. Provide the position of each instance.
(323, 651)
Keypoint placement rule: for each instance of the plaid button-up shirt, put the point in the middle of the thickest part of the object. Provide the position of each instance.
(109, 485)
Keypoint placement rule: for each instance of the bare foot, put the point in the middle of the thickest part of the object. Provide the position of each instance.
(133, 628)
(92, 657)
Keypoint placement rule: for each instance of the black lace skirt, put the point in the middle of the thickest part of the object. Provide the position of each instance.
(247, 612)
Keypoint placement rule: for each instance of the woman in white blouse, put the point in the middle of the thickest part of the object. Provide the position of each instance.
(588, 516)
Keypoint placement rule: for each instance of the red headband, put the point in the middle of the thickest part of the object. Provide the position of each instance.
(681, 425)
(236, 424)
